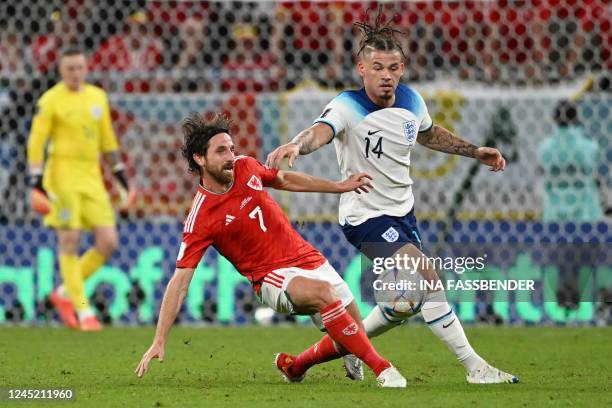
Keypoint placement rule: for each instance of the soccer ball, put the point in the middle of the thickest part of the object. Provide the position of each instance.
(400, 308)
(403, 302)
(264, 316)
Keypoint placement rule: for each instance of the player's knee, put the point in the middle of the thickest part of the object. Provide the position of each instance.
(68, 243)
(107, 245)
(326, 295)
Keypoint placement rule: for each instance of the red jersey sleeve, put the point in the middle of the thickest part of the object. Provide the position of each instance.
(265, 173)
(196, 239)
(192, 250)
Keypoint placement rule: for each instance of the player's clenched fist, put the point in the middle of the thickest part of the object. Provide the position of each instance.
(155, 351)
(289, 150)
(39, 199)
(490, 157)
(357, 182)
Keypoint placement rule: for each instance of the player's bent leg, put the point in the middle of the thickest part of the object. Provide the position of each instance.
(106, 242)
(306, 296)
(377, 322)
(70, 294)
(319, 296)
(443, 322)
(70, 267)
(106, 239)
(352, 365)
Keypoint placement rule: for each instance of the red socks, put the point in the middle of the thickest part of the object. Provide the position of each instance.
(343, 329)
(318, 353)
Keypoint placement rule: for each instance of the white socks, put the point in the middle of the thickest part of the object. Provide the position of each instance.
(445, 324)
(83, 314)
(376, 323)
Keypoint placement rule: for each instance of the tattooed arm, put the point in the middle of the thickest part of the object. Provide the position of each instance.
(442, 140)
(307, 141)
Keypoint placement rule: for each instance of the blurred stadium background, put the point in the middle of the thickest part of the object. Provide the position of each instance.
(491, 70)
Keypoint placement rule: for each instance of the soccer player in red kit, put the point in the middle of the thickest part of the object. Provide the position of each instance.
(232, 212)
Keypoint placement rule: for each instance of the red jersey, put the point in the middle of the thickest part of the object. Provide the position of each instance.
(246, 226)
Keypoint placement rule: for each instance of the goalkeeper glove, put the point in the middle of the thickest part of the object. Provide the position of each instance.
(39, 199)
(127, 197)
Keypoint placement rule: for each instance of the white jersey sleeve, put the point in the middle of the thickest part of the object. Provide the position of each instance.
(337, 115)
(423, 114)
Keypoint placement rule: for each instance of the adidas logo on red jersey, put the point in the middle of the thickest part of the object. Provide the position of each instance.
(229, 218)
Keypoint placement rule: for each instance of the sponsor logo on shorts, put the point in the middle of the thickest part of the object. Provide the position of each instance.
(390, 235)
(350, 329)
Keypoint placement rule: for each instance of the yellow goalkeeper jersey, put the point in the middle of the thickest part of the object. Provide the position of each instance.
(78, 128)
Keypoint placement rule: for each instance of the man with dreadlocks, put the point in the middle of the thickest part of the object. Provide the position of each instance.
(374, 129)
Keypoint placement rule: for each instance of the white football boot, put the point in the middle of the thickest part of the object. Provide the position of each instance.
(487, 374)
(391, 378)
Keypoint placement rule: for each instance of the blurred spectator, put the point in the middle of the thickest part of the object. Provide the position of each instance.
(15, 56)
(61, 33)
(596, 21)
(247, 63)
(516, 41)
(424, 40)
(569, 161)
(463, 25)
(564, 42)
(136, 49)
(248, 68)
(189, 59)
(191, 33)
(307, 37)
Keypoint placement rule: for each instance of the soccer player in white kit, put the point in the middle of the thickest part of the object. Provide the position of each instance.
(373, 130)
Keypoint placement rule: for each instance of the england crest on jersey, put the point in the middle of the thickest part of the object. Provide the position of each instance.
(96, 112)
(410, 131)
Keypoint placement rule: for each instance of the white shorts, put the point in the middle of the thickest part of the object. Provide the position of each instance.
(273, 289)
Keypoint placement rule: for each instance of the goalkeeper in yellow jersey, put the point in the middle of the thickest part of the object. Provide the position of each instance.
(74, 118)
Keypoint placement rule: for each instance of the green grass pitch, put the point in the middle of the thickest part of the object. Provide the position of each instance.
(208, 367)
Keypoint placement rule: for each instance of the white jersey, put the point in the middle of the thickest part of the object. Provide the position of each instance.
(377, 141)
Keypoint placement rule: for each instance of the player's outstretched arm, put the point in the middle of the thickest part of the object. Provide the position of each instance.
(307, 141)
(443, 140)
(170, 307)
(295, 181)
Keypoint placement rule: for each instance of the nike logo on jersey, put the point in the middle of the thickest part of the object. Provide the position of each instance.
(324, 114)
(229, 218)
(444, 326)
(372, 132)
